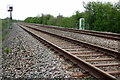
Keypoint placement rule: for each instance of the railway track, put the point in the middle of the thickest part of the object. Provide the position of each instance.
(112, 36)
(102, 63)
(104, 41)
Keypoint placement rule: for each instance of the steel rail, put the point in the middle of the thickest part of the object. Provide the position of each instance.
(98, 73)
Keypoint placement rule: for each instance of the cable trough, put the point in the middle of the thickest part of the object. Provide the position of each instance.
(100, 62)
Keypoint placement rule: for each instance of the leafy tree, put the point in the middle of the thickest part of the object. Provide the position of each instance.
(51, 21)
(76, 17)
(46, 18)
(58, 20)
(101, 16)
(98, 16)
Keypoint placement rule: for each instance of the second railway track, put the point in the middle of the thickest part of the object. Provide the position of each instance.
(111, 36)
(101, 63)
(103, 39)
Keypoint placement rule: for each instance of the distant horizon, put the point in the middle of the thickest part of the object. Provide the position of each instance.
(39, 15)
(33, 8)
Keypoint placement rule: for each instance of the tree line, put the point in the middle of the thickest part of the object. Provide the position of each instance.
(98, 16)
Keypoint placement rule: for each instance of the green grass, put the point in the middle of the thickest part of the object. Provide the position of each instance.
(1, 41)
(0, 24)
(0, 34)
(7, 50)
(3, 27)
(4, 34)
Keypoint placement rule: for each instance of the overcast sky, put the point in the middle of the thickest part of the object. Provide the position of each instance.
(32, 8)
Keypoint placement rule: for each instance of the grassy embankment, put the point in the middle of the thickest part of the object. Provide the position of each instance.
(0, 34)
(4, 27)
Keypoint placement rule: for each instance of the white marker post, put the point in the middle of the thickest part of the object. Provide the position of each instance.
(81, 23)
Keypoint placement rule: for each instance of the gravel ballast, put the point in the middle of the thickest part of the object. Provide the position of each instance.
(29, 58)
(107, 43)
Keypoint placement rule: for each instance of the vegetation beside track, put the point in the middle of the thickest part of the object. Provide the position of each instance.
(0, 34)
(4, 28)
(98, 16)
